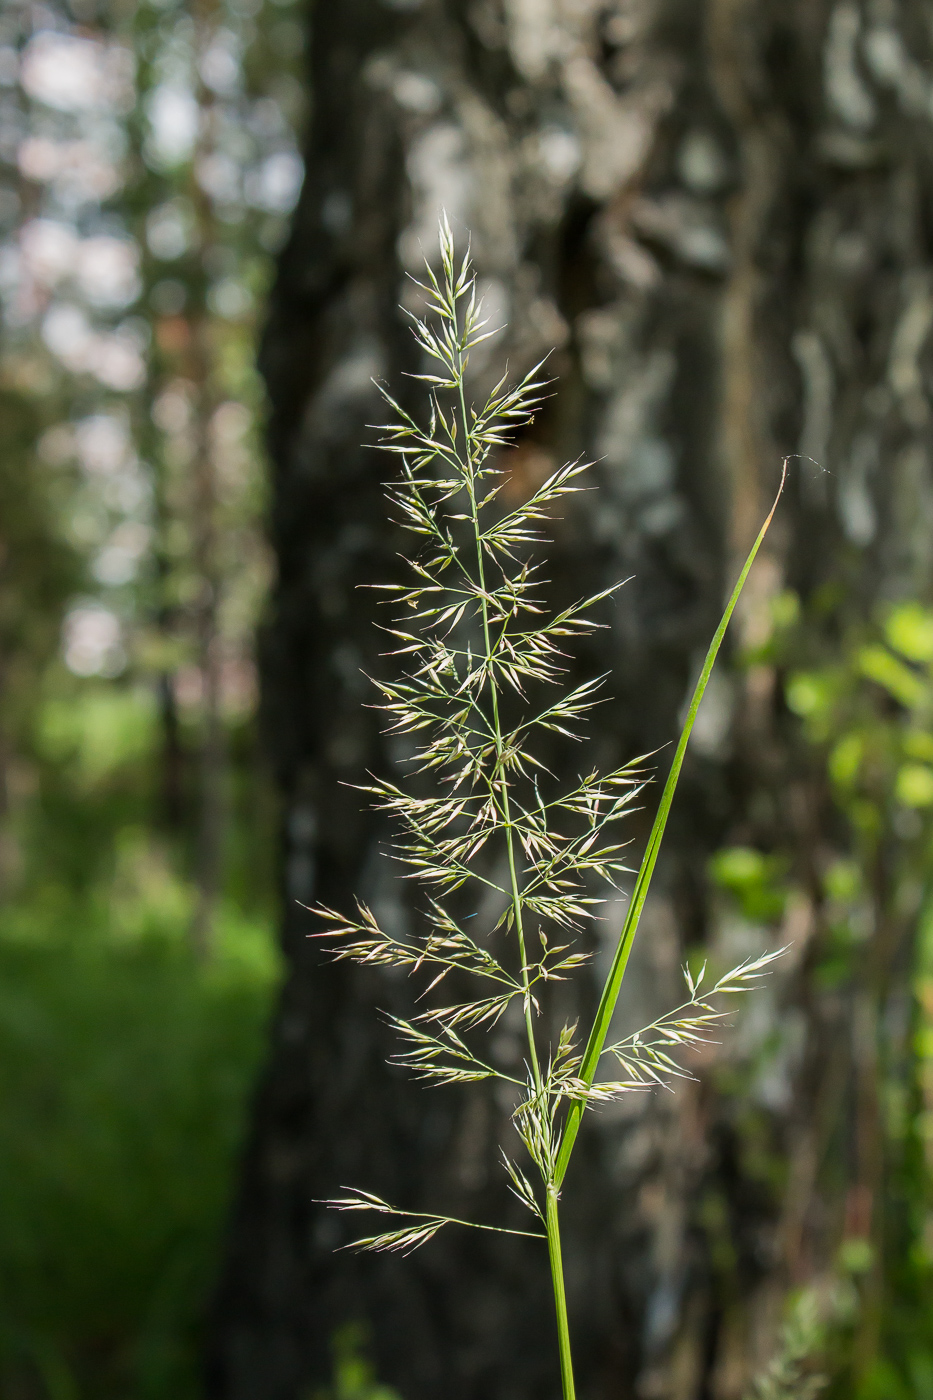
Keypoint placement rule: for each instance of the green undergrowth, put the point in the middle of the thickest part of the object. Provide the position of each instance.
(353, 1376)
(125, 1070)
(861, 693)
(126, 1065)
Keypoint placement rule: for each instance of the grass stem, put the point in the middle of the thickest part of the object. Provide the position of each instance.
(500, 769)
(560, 1296)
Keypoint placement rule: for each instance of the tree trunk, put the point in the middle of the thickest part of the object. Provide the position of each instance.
(718, 211)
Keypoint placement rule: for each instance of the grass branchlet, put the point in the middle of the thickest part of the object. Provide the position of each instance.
(483, 683)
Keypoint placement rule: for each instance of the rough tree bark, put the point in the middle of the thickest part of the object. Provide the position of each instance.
(719, 212)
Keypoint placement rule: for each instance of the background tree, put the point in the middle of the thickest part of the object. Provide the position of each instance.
(719, 215)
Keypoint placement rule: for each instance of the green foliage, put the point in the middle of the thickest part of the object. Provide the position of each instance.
(124, 1071)
(871, 713)
(95, 731)
(125, 1064)
(353, 1376)
(868, 715)
(815, 1318)
(37, 567)
(754, 879)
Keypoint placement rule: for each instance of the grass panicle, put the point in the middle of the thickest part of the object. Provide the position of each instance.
(483, 672)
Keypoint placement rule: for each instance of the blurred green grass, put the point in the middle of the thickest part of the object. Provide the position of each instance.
(124, 1071)
(126, 1066)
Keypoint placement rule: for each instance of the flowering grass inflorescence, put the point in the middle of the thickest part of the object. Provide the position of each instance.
(479, 645)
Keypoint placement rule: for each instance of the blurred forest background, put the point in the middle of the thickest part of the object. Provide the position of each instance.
(721, 216)
(148, 165)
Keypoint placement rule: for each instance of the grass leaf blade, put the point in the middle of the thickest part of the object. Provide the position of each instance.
(613, 984)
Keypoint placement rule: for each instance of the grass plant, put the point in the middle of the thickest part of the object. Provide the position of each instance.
(485, 826)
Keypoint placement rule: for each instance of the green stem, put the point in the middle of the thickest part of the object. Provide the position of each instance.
(613, 984)
(560, 1297)
(497, 735)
